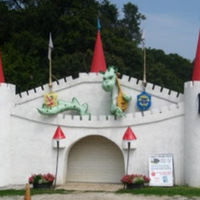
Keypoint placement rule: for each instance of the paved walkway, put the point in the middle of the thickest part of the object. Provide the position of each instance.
(91, 186)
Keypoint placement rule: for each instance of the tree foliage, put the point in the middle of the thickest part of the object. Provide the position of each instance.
(24, 33)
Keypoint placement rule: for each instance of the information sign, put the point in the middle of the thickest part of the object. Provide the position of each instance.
(161, 170)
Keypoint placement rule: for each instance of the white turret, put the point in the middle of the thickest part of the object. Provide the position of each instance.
(7, 96)
(192, 125)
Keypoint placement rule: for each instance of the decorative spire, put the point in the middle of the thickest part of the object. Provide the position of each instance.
(2, 80)
(98, 62)
(196, 69)
(129, 135)
(59, 135)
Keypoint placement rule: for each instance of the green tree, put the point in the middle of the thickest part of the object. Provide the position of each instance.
(24, 35)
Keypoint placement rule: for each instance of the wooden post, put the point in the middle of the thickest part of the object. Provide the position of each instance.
(27, 192)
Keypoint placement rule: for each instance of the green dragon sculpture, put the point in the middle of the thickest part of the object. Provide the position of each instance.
(52, 106)
(119, 100)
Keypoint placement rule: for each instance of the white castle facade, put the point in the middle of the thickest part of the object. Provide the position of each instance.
(93, 150)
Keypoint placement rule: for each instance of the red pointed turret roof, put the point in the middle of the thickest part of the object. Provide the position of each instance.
(129, 135)
(2, 80)
(59, 134)
(98, 62)
(196, 70)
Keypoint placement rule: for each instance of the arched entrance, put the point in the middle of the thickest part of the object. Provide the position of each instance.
(95, 159)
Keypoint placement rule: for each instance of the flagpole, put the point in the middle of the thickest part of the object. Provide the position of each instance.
(144, 75)
(144, 62)
(50, 61)
(50, 74)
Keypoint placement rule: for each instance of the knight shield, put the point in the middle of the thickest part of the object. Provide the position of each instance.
(143, 101)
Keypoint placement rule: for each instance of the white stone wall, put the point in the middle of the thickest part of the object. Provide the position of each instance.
(192, 134)
(7, 98)
(29, 134)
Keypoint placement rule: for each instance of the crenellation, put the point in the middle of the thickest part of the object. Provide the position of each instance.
(149, 87)
(140, 82)
(42, 87)
(196, 83)
(75, 118)
(39, 90)
(164, 109)
(7, 88)
(132, 81)
(125, 78)
(67, 117)
(23, 94)
(69, 79)
(155, 111)
(138, 115)
(157, 89)
(111, 118)
(102, 117)
(146, 113)
(31, 92)
(188, 84)
(93, 118)
(46, 87)
(129, 115)
(173, 94)
(62, 82)
(85, 117)
(165, 92)
(83, 76)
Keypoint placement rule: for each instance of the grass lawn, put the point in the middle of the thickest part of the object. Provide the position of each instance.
(160, 191)
(169, 191)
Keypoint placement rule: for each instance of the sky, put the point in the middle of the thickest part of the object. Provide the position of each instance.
(170, 25)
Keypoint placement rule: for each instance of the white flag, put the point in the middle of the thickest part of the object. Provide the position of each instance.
(143, 35)
(50, 47)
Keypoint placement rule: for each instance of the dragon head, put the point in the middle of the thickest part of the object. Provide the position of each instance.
(109, 78)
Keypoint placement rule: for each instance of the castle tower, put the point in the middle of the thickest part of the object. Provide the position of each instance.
(192, 125)
(98, 62)
(7, 96)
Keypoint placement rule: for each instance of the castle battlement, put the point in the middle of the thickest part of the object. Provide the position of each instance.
(103, 121)
(84, 78)
(8, 86)
(191, 84)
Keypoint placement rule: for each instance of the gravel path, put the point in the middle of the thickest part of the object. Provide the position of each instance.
(98, 196)
(82, 195)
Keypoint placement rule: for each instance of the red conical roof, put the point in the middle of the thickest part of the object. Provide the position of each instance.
(2, 80)
(129, 135)
(59, 134)
(196, 70)
(98, 62)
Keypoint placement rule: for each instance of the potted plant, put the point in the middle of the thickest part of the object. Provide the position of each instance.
(42, 180)
(131, 181)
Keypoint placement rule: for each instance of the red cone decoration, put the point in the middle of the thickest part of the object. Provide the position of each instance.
(129, 135)
(59, 134)
(98, 62)
(196, 70)
(2, 80)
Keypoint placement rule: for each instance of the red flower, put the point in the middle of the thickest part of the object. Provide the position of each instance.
(41, 178)
(135, 178)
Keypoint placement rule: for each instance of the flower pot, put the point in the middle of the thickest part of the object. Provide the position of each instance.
(134, 186)
(42, 185)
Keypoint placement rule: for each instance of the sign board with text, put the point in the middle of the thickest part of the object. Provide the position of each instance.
(161, 170)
